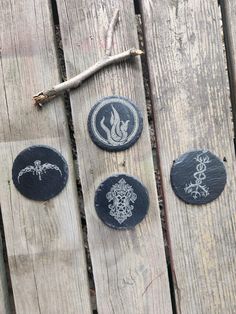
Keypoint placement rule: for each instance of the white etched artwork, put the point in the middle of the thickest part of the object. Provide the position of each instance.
(38, 169)
(115, 122)
(198, 189)
(121, 195)
(117, 131)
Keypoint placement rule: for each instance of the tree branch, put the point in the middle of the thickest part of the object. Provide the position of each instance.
(110, 32)
(46, 95)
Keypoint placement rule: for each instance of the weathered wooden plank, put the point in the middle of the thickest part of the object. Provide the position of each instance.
(192, 110)
(229, 26)
(44, 241)
(4, 297)
(129, 266)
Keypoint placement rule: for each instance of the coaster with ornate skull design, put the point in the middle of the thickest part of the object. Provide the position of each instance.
(198, 177)
(115, 123)
(121, 201)
(40, 172)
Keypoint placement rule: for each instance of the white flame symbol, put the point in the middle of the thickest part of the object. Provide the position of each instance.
(118, 134)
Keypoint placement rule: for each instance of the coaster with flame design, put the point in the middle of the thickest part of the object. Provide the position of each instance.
(198, 177)
(40, 172)
(115, 123)
(121, 201)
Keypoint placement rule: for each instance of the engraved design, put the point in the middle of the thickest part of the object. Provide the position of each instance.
(121, 194)
(38, 169)
(117, 134)
(124, 135)
(196, 189)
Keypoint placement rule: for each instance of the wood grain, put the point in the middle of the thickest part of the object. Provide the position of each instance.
(228, 8)
(44, 241)
(129, 266)
(4, 297)
(190, 96)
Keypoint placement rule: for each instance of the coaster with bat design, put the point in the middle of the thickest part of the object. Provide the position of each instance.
(40, 172)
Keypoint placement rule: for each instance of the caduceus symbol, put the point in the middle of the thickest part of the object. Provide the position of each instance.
(197, 189)
(38, 169)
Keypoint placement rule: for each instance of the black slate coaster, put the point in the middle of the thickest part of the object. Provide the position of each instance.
(40, 172)
(198, 177)
(115, 123)
(121, 201)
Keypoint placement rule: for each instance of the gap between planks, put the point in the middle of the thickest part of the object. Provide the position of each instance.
(228, 9)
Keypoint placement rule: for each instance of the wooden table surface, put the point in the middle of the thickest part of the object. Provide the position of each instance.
(190, 52)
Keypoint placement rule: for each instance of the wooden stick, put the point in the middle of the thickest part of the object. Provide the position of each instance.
(74, 82)
(46, 95)
(110, 32)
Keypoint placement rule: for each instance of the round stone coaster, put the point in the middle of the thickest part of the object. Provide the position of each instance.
(40, 172)
(115, 123)
(121, 201)
(198, 177)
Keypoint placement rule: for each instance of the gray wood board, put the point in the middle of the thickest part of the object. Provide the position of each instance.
(129, 266)
(4, 296)
(190, 96)
(229, 27)
(44, 240)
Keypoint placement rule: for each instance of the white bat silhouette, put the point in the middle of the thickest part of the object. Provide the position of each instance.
(38, 169)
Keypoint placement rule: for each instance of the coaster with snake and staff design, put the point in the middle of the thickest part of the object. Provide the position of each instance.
(198, 177)
(115, 123)
(40, 172)
(121, 201)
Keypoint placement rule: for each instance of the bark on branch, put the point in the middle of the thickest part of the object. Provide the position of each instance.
(46, 95)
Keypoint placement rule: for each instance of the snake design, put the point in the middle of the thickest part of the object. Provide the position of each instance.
(196, 189)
